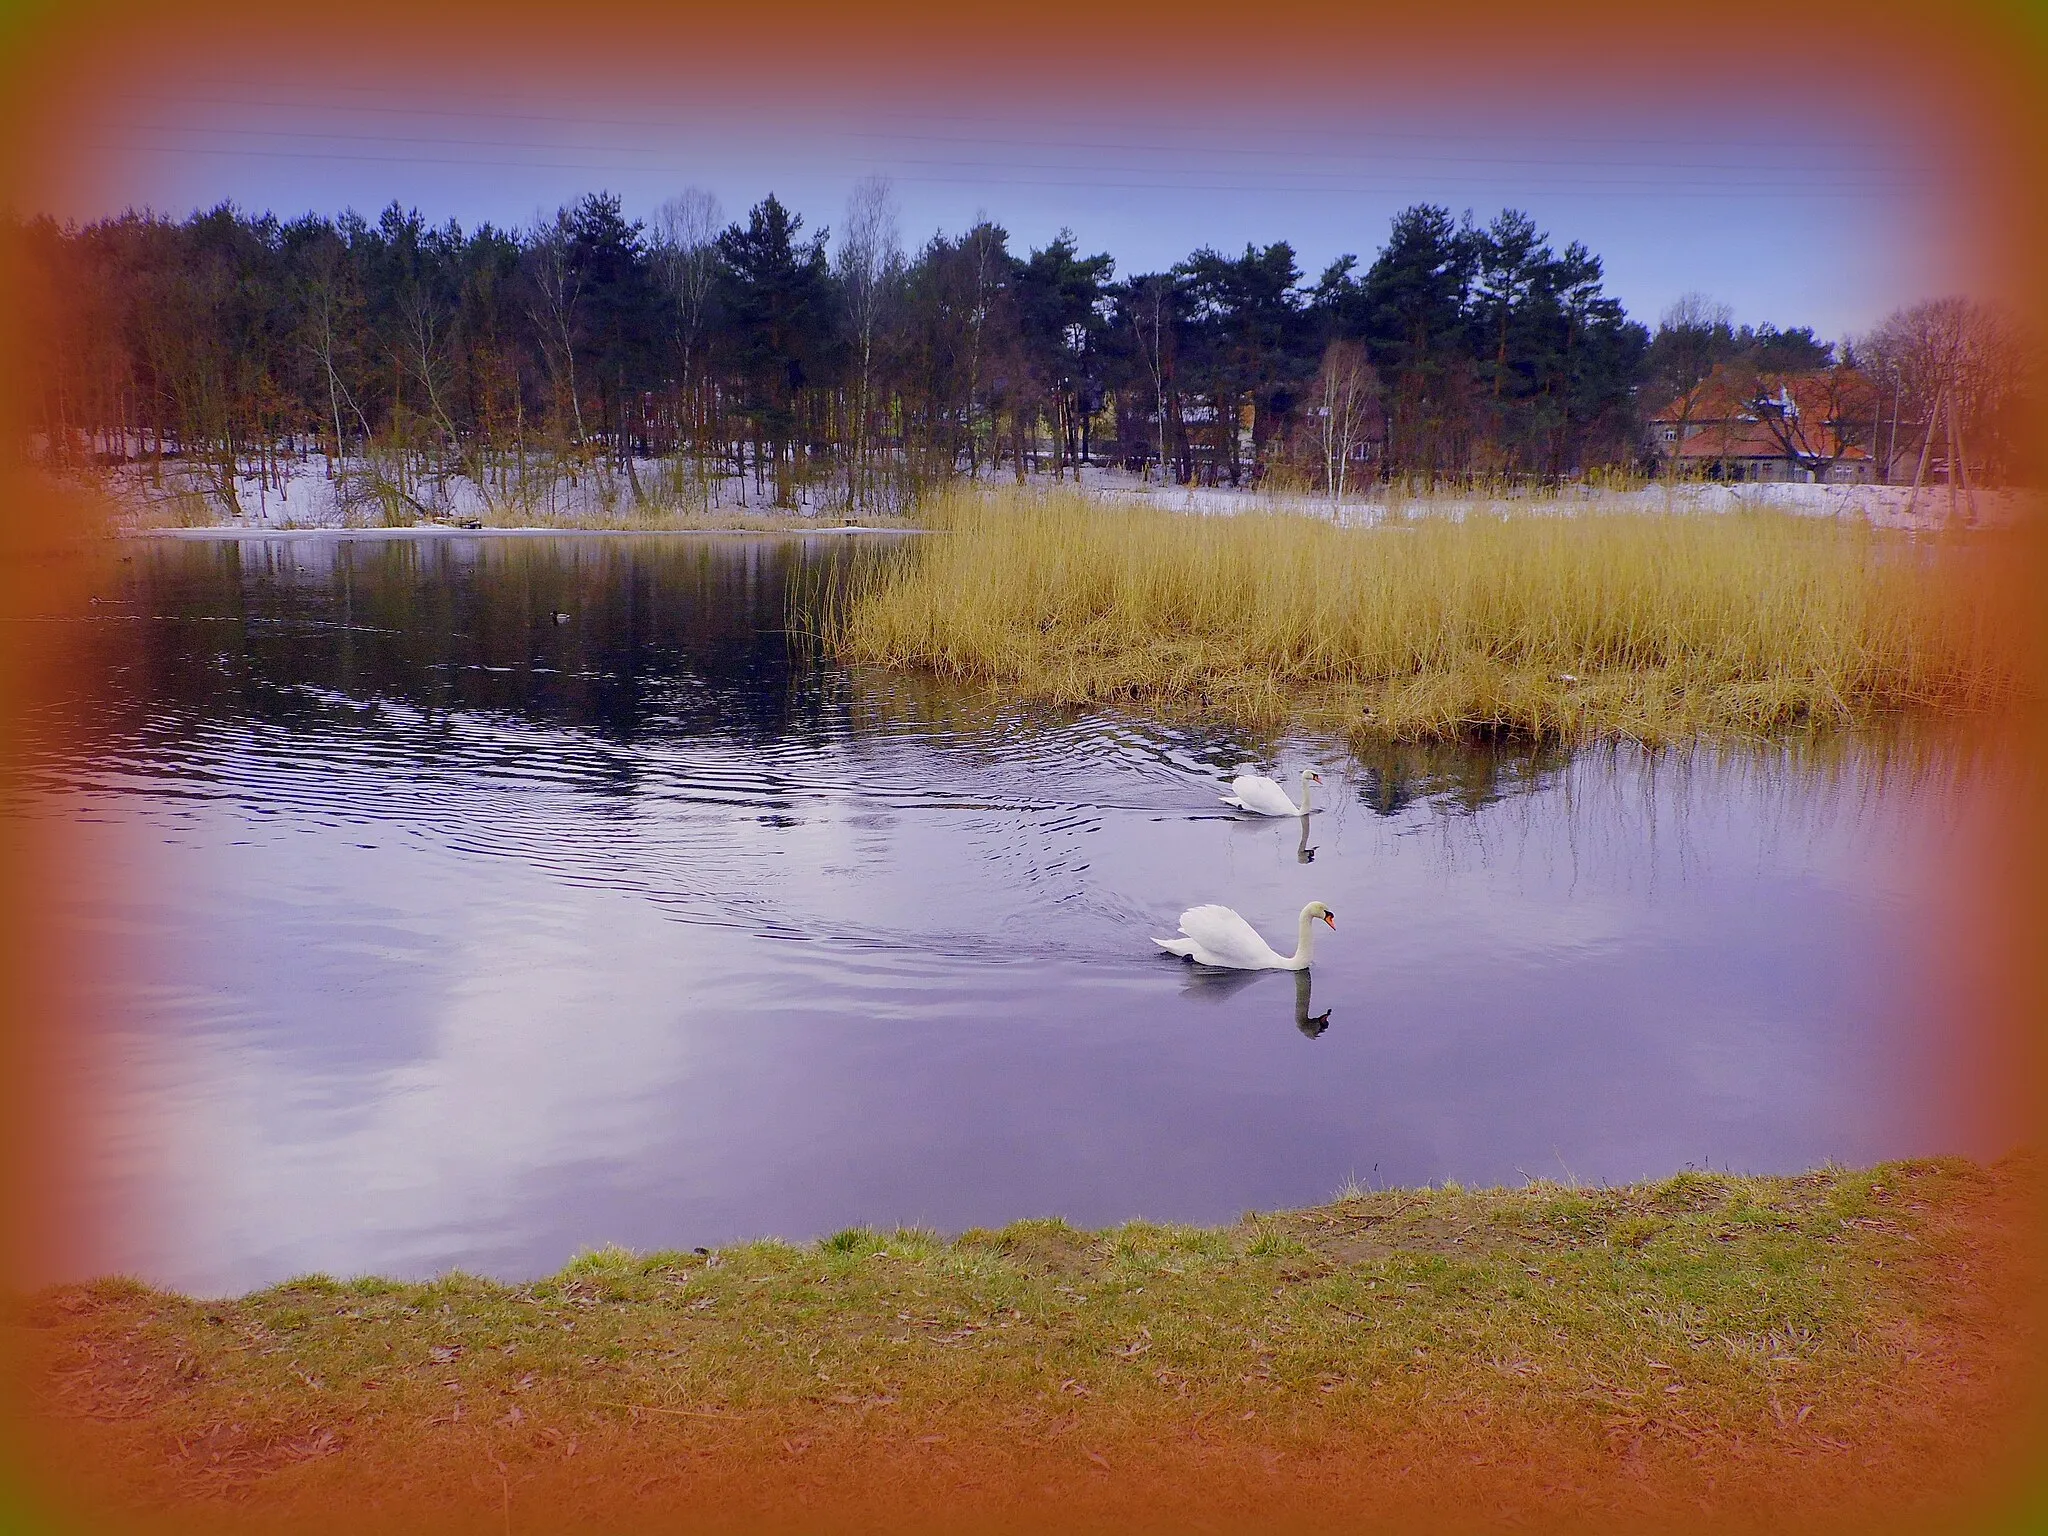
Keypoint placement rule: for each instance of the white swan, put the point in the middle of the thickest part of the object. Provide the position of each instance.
(1218, 936)
(1261, 795)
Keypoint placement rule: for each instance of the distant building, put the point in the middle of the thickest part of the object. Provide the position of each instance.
(1739, 424)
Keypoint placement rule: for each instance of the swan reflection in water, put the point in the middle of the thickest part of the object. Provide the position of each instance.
(1310, 1024)
(1302, 852)
(1214, 986)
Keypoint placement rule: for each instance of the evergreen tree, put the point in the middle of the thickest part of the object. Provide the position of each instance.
(776, 325)
(1062, 318)
(416, 355)
(611, 272)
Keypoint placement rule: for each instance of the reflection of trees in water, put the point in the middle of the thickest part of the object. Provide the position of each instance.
(659, 632)
(882, 699)
(685, 636)
(1392, 776)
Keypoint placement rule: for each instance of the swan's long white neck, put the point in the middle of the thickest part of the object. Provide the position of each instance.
(1305, 782)
(1305, 945)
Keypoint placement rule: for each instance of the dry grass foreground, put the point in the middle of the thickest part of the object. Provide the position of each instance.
(1838, 1351)
(1548, 625)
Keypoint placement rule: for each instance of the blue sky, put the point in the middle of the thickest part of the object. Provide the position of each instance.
(1794, 215)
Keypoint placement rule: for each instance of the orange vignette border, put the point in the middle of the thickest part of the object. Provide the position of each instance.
(1980, 68)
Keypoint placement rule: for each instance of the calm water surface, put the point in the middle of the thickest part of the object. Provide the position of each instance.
(454, 935)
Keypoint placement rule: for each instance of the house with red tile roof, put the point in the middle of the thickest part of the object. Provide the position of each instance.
(1742, 424)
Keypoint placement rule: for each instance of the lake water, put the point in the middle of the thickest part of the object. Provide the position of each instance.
(454, 935)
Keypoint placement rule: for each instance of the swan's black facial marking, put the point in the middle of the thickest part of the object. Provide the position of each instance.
(1330, 918)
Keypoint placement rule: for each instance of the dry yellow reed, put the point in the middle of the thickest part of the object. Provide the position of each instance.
(1560, 625)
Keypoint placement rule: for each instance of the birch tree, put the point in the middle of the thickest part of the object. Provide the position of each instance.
(1347, 394)
(557, 289)
(870, 265)
(684, 252)
(1151, 314)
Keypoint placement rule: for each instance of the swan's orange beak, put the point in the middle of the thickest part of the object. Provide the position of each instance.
(1331, 919)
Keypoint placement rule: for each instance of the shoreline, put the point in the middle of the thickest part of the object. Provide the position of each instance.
(1831, 1347)
(234, 531)
(306, 499)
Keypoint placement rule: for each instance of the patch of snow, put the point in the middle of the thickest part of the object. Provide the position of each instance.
(1882, 505)
(304, 495)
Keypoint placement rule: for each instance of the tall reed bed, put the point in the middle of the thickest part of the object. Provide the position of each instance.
(1552, 626)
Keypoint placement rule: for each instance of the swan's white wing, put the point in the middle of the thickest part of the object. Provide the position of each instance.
(1221, 937)
(1256, 792)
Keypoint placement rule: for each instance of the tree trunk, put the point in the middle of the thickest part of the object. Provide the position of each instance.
(1958, 462)
(1920, 469)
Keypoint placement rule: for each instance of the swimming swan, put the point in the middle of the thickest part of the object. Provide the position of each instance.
(1218, 936)
(1257, 793)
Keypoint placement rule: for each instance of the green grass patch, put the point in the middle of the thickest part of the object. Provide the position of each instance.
(1834, 1312)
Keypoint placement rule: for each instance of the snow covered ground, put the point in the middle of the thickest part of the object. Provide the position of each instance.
(303, 495)
(1884, 505)
(307, 498)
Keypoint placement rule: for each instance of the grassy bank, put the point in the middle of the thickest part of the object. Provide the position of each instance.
(1565, 627)
(1823, 1352)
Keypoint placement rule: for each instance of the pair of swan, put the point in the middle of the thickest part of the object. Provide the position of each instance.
(1213, 935)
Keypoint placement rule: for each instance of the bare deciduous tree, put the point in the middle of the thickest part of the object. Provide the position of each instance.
(1817, 418)
(558, 289)
(1960, 366)
(1347, 393)
(684, 249)
(1152, 321)
(870, 263)
(1686, 336)
(328, 308)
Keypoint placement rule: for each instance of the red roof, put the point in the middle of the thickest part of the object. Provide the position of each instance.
(1738, 413)
(1758, 440)
(1732, 391)
(1714, 398)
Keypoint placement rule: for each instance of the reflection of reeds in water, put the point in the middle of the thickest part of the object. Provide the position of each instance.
(667, 517)
(1622, 812)
(1797, 785)
(1634, 811)
(1568, 627)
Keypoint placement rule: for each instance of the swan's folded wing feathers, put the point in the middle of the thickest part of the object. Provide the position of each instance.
(1221, 937)
(1255, 792)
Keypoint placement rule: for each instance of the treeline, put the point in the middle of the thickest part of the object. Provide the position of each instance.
(681, 354)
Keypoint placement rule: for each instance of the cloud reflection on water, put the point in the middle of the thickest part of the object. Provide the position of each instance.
(468, 939)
